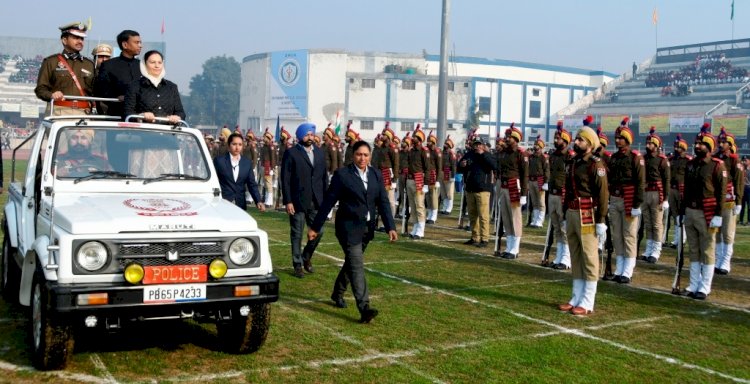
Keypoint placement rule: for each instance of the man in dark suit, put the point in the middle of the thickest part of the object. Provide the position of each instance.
(235, 172)
(361, 195)
(303, 184)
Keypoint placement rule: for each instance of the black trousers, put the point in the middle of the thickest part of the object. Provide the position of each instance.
(297, 231)
(353, 271)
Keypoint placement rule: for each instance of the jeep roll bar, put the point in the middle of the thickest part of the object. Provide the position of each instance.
(82, 98)
(157, 119)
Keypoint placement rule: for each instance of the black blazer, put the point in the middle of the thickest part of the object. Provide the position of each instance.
(302, 183)
(162, 101)
(234, 191)
(354, 201)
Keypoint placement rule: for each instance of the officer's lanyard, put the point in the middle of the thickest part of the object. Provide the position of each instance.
(72, 74)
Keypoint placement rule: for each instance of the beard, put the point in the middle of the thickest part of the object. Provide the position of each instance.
(78, 151)
(307, 143)
(578, 150)
(700, 152)
(560, 146)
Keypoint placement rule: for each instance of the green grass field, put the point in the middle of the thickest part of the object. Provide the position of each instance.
(449, 313)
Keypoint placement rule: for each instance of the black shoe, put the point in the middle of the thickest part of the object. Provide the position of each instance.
(367, 315)
(673, 245)
(381, 229)
(298, 272)
(398, 216)
(307, 264)
(415, 237)
(510, 256)
(470, 242)
(561, 266)
(338, 301)
(617, 278)
(720, 271)
(430, 221)
(535, 226)
(609, 277)
(642, 258)
(700, 296)
(624, 280)
(651, 260)
(481, 244)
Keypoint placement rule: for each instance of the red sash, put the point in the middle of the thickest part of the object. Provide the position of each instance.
(267, 168)
(65, 64)
(386, 172)
(681, 189)
(709, 209)
(512, 186)
(729, 198)
(432, 177)
(419, 181)
(627, 192)
(446, 173)
(656, 186)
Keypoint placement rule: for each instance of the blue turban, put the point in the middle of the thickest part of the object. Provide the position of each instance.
(304, 129)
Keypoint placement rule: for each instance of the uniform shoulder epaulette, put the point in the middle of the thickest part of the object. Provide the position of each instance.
(571, 152)
(734, 156)
(689, 157)
(634, 152)
(717, 160)
(663, 156)
(608, 153)
(546, 156)
(521, 149)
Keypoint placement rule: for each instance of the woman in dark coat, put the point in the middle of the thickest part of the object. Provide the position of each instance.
(152, 95)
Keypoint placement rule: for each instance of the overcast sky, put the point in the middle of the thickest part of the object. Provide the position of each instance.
(590, 34)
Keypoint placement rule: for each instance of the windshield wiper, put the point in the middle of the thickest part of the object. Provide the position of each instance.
(165, 176)
(102, 175)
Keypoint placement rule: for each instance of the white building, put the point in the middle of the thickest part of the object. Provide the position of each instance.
(370, 89)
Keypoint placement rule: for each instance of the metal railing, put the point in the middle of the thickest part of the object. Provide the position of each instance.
(738, 96)
(720, 108)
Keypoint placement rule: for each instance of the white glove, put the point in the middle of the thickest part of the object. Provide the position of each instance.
(737, 209)
(635, 212)
(564, 226)
(601, 229)
(665, 205)
(437, 186)
(271, 173)
(452, 179)
(545, 187)
(391, 172)
(523, 200)
(716, 222)
(425, 188)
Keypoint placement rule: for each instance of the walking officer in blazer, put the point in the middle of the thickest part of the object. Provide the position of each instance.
(235, 172)
(360, 192)
(304, 181)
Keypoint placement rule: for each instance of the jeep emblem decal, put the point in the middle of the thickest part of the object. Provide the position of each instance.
(159, 207)
(172, 255)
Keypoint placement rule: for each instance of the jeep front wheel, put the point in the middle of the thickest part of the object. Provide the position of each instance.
(243, 334)
(10, 272)
(52, 340)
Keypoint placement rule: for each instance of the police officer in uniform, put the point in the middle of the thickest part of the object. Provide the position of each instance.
(732, 202)
(268, 160)
(403, 172)
(415, 183)
(701, 212)
(558, 173)
(605, 156)
(447, 187)
(67, 74)
(538, 182)
(514, 170)
(330, 149)
(627, 179)
(387, 163)
(677, 162)
(250, 151)
(655, 198)
(350, 138)
(286, 143)
(434, 174)
(586, 201)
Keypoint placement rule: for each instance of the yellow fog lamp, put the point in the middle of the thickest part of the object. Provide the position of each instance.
(217, 269)
(134, 273)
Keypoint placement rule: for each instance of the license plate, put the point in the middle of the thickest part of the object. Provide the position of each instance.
(174, 293)
(171, 274)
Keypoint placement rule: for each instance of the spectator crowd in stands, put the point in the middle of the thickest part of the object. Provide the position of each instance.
(28, 69)
(707, 69)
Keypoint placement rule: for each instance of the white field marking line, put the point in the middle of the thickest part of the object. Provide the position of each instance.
(571, 331)
(99, 364)
(648, 320)
(6, 366)
(437, 243)
(385, 262)
(352, 340)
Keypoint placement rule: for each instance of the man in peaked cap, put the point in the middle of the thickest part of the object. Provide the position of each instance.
(514, 171)
(627, 180)
(538, 182)
(732, 202)
(447, 187)
(655, 199)
(677, 163)
(701, 212)
(558, 161)
(477, 166)
(304, 181)
(67, 74)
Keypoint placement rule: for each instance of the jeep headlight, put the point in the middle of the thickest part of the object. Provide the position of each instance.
(241, 251)
(92, 256)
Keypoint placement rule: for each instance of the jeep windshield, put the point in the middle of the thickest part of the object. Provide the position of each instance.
(106, 153)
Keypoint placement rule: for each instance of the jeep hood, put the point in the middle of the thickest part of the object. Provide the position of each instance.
(149, 213)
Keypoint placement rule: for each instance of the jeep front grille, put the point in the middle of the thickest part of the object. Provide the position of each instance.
(161, 249)
(162, 261)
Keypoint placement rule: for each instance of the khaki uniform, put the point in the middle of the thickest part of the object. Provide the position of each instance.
(732, 198)
(403, 156)
(677, 164)
(657, 180)
(558, 174)
(418, 160)
(447, 182)
(513, 166)
(383, 162)
(54, 76)
(433, 174)
(349, 154)
(538, 177)
(268, 162)
(627, 179)
(707, 179)
(586, 202)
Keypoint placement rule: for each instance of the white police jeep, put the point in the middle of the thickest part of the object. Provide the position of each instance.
(119, 221)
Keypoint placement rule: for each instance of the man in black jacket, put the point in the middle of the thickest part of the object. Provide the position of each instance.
(116, 74)
(477, 166)
(303, 180)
